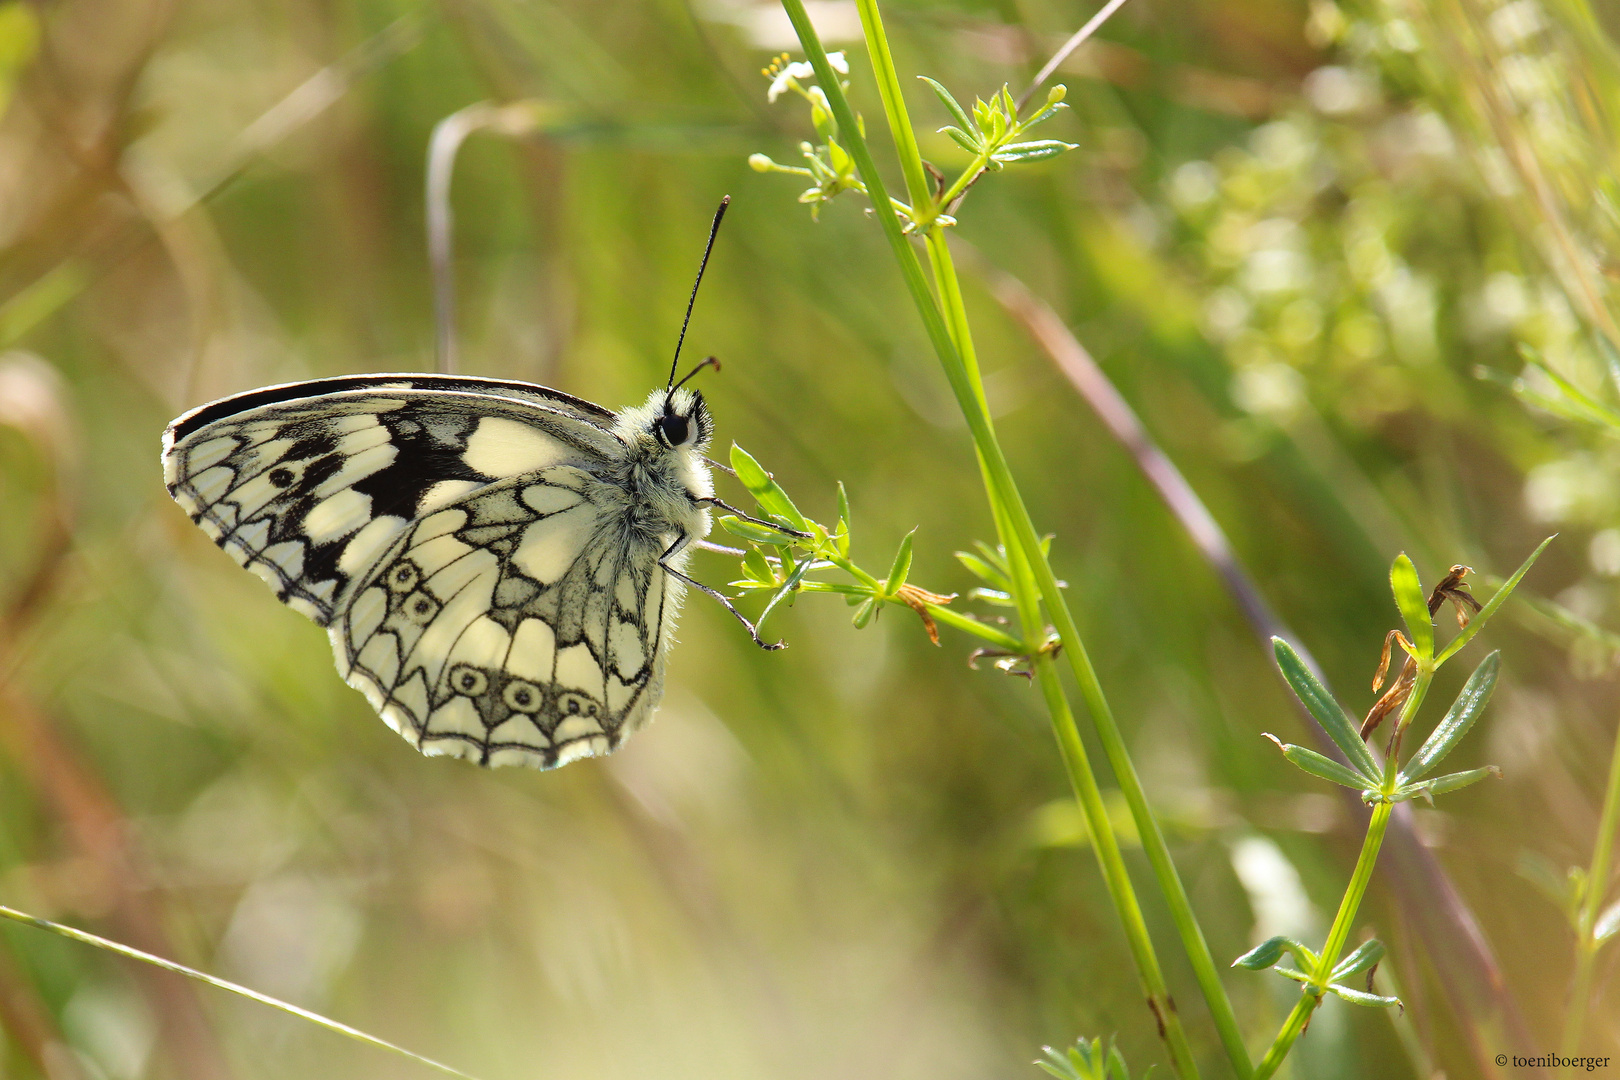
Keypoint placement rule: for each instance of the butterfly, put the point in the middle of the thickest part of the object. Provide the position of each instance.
(498, 565)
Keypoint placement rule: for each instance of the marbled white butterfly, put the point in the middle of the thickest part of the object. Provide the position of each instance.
(498, 564)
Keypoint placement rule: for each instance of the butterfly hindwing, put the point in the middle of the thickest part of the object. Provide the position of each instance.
(516, 625)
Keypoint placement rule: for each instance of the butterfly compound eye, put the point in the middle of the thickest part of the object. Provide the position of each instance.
(674, 428)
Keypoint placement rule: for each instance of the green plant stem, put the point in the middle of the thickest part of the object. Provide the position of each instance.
(1311, 995)
(962, 371)
(1104, 842)
(1597, 881)
(1001, 488)
(1119, 759)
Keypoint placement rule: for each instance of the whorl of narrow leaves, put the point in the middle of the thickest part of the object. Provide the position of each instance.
(785, 556)
(1087, 1061)
(1270, 952)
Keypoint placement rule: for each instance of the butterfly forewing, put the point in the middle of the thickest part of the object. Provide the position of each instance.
(466, 542)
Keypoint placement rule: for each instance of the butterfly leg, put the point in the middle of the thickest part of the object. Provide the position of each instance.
(728, 508)
(675, 549)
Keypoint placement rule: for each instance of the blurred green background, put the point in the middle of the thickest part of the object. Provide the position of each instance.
(1294, 234)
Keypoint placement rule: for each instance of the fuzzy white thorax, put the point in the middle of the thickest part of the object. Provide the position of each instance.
(670, 479)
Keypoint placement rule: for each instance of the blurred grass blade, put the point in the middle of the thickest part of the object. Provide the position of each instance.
(264, 999)
(1408, 590)
(1492, 604)
(1323, 766)
(1340, 728)
(1461, 716)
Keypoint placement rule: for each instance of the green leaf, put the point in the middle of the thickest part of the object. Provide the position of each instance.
(1427, 789)
(900, 567)
(1323, 766)
(1464, 711)
(1038, 150)
(1409, 597)
(984, 571)
(759, 534)
(844, 518)
(995, 556)
(1491, 605)
(784, 592)
(1041, 117)
(766, 491)
(1340, 728)
(1364, 958)
(863, 614)
(981, 116)
(1268, 952)
(1361, 997)
(758, 567)
(958, 113)
(963, 139)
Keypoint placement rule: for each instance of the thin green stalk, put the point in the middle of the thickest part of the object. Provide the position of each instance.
(1153, 843)
(1104, 843)
(86, 938)
(954, 350)
(1005, 500)
(1597, 880)
(1311, 995)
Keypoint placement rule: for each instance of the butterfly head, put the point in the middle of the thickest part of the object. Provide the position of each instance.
(671, 423)
(684, 421)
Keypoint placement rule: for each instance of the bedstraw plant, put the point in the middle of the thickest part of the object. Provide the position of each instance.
(996, 131)
(1380, 785)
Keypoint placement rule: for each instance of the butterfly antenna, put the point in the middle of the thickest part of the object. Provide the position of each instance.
(713, 229)
(713, 361)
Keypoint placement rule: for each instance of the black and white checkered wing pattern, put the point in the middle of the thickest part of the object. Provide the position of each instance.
(519, 625)
(474, 569)
(307, 485)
